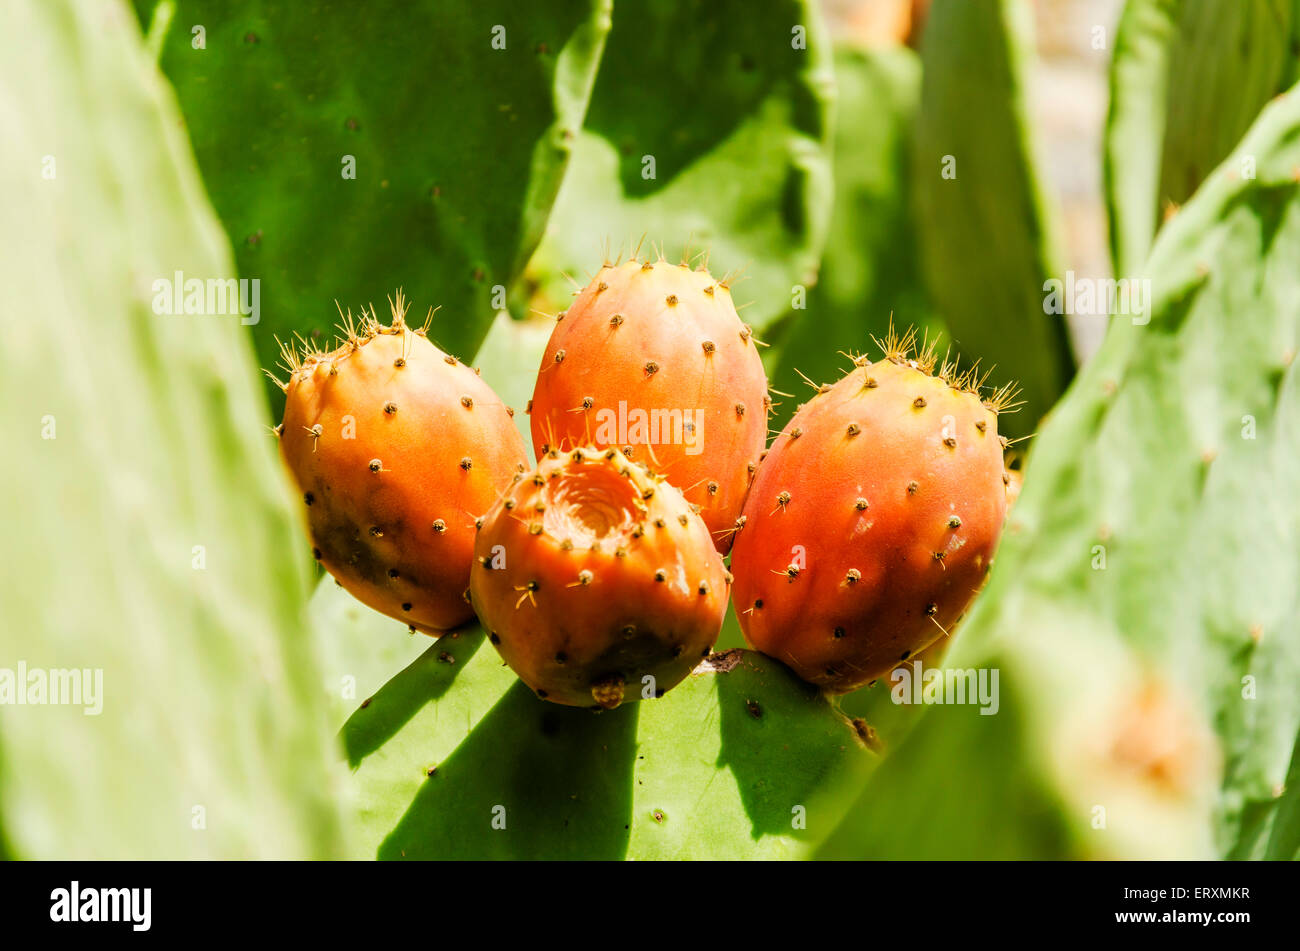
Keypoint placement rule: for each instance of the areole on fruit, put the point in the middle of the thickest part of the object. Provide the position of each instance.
(596, 581)
(652, 359)
(873, 518)
(397, 448)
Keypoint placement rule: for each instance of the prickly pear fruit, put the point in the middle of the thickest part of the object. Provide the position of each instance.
(397, 449)
(872, 520)
(651, 358)
(1014, 478)
(592, 574)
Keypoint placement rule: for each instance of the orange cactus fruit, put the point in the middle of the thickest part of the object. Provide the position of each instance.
(596, 580)
(652, 359)
(873, 519)
(397, 448)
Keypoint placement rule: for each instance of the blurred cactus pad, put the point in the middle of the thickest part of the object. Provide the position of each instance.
(205, 692)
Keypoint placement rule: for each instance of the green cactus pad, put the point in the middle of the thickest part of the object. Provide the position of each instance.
(148, 527)
(741, 163)
(460, 118)
(454, 758)
(987, 240)
(1143, 610)
(871, 270)
(1187, 80)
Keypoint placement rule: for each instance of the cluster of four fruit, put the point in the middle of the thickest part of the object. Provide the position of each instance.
(856, 540)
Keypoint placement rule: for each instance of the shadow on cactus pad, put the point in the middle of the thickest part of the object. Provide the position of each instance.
(454, 758)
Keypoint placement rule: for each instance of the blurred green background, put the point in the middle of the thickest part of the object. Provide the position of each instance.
(934, 163)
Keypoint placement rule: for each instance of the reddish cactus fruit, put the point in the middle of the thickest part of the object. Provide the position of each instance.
(652, 359)
(592, 575)
(872, 520)
(397, 448)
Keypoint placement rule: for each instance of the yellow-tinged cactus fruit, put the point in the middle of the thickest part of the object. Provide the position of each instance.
(397, 448)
